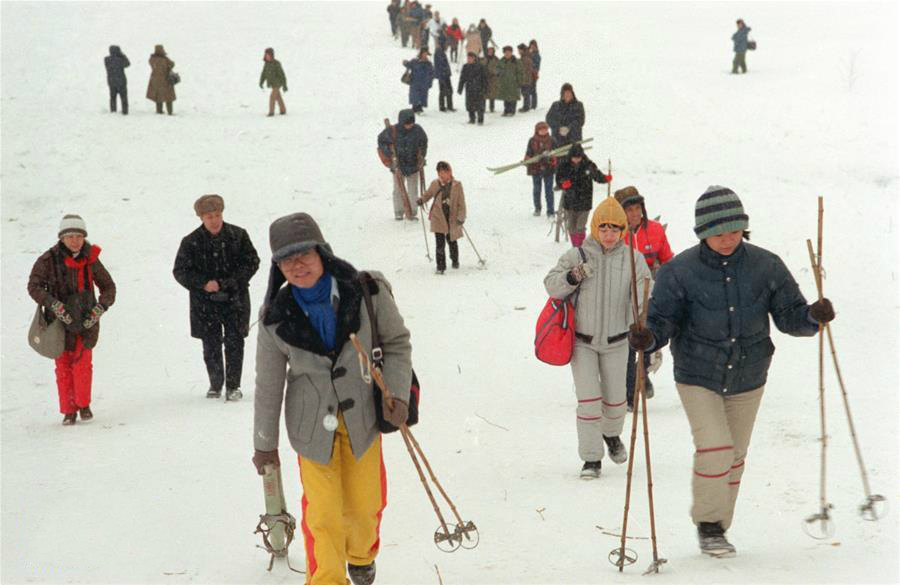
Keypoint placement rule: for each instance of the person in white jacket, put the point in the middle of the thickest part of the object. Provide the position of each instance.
(599, 273)
(435, 28)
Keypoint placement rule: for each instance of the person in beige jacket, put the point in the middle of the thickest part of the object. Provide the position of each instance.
(305, 360)
(599, 273)
(447, 214)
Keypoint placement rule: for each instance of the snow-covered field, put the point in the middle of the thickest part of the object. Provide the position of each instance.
(159, 488)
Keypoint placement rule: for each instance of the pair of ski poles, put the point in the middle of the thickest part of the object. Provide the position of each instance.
(481, 261)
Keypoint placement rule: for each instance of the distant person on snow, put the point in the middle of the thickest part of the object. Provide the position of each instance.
(654, 245)
(509, 81)
(273, 75)
(454, 38)
(393, 10)
(542, 171)
(473, 40)
(576, 175)
(115, 64)
(490, 62)
(474, 79)
(566, 116)
(215, 263)
(527, 76)
(62, 281)
(435, 28)
(599, 272)
(421, 80)
(447, 214)
(444, 74)
(307, 367)
(714, 302)
(536, 63)
(160, 89)
(739, 39)
(486, 35)
(402, 148)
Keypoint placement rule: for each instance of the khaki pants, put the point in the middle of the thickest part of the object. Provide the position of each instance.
(721, 427)
(739, 61)
(599, 376)
(274, 97)
(412, 192)
(576, 221)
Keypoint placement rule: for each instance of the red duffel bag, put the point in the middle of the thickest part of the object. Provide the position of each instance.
(554, 337)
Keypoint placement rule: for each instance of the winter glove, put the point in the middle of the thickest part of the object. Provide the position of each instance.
(94, 316)
(419, 202)
(563, 130)
(396, 416)
(566, 185)
(59, 310)
(640, 338)
(285, 89)
(656, 359)
(263, 458)
(580, 272)
(607, 178)
(821, 311)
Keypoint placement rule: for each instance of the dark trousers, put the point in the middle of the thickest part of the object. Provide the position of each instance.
(445, 97)
(393, 24)
(478, 113)
(439, 240)
(228, 373)
(159, 106)
(548, 191)
(122, 92)
(509, 108)
(454, 53)
(630, 374)
(526, 98)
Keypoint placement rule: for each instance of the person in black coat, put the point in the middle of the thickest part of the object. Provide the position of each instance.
(116, 62)
(215, 263)
(576, 176)
(566, 116)
(474, 79)
(404, 161)
(714, 302)
(443, 73)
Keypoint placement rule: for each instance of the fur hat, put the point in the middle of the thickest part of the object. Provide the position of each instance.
(609, 211)
(628, 196)
(719, 210)
(72, 224)
(209, 204)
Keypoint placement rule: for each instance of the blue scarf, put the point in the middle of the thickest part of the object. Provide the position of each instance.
(316, 303)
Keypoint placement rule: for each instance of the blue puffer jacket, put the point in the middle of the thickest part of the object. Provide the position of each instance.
(716, 309)
(421, 82)
(740, 39)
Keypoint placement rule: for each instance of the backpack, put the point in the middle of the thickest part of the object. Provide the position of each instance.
(554, 336)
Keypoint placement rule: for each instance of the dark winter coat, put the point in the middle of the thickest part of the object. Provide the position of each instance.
(159, 89)
(58, 276)
(474, 79)
(417, 13)
(581, 197)
(490, 70)
(486, 35)
(422, 79)
(527, 70)
(509, 79)
(536, 61)
(441, 65)
(273, 74)
(116, 63)
(715, 309)
(740, 39)
(536, 145)
(569, 114)
(228, 258)
(412, 144)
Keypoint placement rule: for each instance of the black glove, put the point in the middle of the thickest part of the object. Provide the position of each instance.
(263, 458)
(640, 338)
(821, 311)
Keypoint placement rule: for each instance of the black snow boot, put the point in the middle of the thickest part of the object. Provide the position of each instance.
(616, 449)
(86, 413)
(712, 540)
(233, 394)
(590, 470)
(214, 393)
(362, 574)
(69, 419)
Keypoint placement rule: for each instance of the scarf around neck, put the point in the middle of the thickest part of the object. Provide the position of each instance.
(316, 303)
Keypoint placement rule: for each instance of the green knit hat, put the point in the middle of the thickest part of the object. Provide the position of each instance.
(719, 211)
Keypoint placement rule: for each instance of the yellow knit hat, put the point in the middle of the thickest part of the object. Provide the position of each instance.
(609, 211)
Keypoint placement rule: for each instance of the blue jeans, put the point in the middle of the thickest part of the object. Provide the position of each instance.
(548, 191)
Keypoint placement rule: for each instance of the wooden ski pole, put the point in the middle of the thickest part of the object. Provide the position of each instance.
(609, 172)
(422, 211)
(822, 427)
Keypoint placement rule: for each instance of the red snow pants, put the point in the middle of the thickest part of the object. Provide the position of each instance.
(74, 371)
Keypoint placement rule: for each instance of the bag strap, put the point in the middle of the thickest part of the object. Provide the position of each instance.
(578, 290)
(377, 354)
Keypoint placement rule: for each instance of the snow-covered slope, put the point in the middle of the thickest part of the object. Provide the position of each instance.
(159, 488)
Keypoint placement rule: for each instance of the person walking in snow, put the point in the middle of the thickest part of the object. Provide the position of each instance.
(739, 38)
(576, 175)
(62, 281)
(486, 35)
(115, 63)
(403, 148)
(393, 10)
(566, 116)
(306, 364)
(509, 81)
(447, 214)
(474, 79)
(160, 89)
(215, 263)
(490, 62)
(713, 301)
(541, 172)
(536, 64)
(527, 76)
(273, 75)
(473, 40)
(649, 238)
(600, 273)
(421, 80)
(435, 28)
(444, 74)
(454, 38)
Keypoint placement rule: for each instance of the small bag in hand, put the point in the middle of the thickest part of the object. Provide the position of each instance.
(173, 78)
(406, 78)
(554, 336)
(751, 45)
(48, 339)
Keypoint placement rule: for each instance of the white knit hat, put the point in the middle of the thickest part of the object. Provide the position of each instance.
(72, 224)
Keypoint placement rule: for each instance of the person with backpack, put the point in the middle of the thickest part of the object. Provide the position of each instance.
(115, 63)
(402, 148)
(447, 214)
(307, 366)
(474, 80)
(598, 274)
(160, 88)
(566, 116)
(273, 75)
(62, 281)
(541, 172)
(576, 175)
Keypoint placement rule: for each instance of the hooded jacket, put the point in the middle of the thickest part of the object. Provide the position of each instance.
(582, 176)
(536, 145)
(159, 89)
(412, 144)
(115, 63)
(566, 114)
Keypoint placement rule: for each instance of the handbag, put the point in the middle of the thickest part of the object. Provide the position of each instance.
(406, 78)
(554, 336)
(173, 78)
(751, 45)
(377, 357)
(48, 339)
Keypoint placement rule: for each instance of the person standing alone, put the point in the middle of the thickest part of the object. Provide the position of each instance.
(273, 75)
(739, 38)
(115, 63)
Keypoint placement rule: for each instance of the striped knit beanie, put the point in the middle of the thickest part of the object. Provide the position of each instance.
(72, 224)
(719, 211)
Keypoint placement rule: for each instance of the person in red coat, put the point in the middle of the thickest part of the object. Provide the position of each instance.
(652, 242)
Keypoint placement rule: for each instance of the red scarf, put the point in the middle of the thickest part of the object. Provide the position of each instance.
(85, 278)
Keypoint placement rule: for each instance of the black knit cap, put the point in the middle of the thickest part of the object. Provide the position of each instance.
(719, 210)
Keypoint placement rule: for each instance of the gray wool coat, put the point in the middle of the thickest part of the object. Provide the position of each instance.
(294, 368)
(603, 309)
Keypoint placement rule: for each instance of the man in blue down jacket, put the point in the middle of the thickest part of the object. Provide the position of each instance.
(713, 302)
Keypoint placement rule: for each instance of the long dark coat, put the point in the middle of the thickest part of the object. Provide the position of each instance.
(159, 89)
(420, 84)
(474, 79)
(569, 114)
(228, 258)
(115, 63)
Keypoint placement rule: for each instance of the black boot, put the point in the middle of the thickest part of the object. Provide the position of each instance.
(69, 419)
(590, 470)
(362, 574)
(712, 540)
(214, 393)
(616, 449)
(86, 413)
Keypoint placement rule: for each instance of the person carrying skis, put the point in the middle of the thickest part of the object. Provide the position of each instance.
(62, 281)
(402, 148)
(306, 362)
(714, 301)
(447, 214)
(599, 272)
(566, 116)
(575, 175)
(215, 263)
(509, 81)
(649, 238)
(542, 171)
(274, 76)
(421, 80)
(115, 64)
(444, 74)
(474, 79)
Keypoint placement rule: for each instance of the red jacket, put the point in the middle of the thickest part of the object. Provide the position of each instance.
(652, 243)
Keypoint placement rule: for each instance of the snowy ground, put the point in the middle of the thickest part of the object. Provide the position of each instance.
(159, 488)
